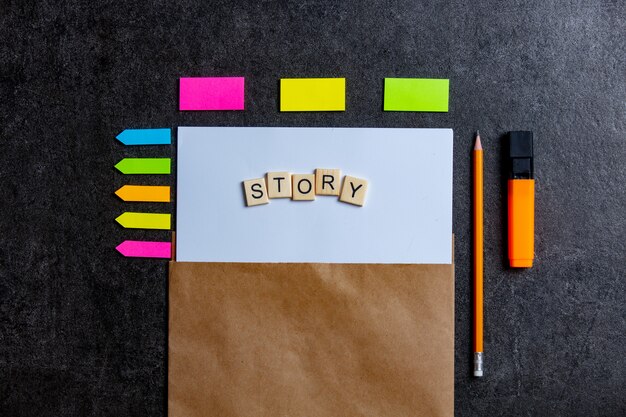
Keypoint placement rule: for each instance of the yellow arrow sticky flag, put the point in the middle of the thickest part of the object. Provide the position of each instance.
(152, 193)
(145, 220)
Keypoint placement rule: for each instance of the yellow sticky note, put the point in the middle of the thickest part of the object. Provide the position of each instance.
(313, 94)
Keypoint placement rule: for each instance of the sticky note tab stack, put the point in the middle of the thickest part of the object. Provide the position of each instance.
(145, 193)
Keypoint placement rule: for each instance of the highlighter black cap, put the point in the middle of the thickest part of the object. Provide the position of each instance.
(520, 151)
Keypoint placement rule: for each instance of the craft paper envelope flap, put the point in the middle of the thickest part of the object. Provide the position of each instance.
(306, 339)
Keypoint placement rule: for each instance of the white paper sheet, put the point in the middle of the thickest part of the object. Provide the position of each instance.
(407, 217)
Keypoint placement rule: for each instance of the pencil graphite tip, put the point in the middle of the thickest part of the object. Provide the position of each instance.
(478, 146)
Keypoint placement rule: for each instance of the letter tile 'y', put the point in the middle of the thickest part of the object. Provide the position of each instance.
(353, 190)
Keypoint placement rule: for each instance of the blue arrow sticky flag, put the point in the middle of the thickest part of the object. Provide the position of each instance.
(145, 137)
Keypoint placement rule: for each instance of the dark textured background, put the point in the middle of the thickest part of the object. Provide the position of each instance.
(83, 330)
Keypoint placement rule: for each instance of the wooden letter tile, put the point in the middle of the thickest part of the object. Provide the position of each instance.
(327, 181)
(256, 192)
(303, 187)
(278, 184)
(353, 190)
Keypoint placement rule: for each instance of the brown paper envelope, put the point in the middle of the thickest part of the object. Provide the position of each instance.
(310, 340)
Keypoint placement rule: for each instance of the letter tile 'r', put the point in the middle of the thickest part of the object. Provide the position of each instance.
(327, 181)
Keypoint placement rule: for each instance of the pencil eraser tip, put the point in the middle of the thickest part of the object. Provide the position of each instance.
(478, 373)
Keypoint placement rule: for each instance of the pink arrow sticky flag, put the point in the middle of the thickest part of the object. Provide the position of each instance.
(212, 93)
(144, 249)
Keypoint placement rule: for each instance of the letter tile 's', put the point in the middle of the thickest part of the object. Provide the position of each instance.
(256, 192)
(303, 187)
(353, 190)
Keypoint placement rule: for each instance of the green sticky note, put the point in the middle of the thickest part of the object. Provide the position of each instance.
(416, 94)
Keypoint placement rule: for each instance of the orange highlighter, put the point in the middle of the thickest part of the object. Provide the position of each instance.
(521, 200)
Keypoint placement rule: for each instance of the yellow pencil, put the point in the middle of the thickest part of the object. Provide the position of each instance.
(477, 156)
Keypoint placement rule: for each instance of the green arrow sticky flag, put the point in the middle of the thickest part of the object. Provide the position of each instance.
(144, 165)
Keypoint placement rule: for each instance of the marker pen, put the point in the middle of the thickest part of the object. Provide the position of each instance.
(521, 200)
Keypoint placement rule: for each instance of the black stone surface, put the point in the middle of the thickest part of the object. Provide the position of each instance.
(83, 330)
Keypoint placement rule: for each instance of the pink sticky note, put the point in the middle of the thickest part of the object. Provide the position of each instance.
(144, 249)
(211, 93)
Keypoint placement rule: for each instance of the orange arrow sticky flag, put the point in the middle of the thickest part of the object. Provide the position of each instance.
(150, 193)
